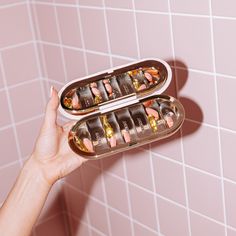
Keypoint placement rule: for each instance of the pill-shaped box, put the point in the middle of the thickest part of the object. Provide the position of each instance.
(120, 109)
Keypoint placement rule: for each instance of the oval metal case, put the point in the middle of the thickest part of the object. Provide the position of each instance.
(120, 109)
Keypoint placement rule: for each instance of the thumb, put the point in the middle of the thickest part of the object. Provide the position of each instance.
(51, 109)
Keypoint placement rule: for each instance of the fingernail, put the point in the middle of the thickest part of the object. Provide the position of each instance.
(51, 89)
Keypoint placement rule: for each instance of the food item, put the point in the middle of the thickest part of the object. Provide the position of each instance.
(152, 112)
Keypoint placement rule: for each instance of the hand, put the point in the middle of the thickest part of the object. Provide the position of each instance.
(52, 154)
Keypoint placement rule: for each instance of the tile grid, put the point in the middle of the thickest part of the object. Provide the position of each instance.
(218, 120)
(181, 132)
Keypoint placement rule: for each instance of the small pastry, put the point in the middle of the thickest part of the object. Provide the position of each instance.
(148, 76)
(148, 103)
(169, 120)
(152, 112)
(67, 102)
(88, 144)
(84, 145)
(142, 87)
(95, 91)
(108, 86)
(152, 122)
(75, 101)
(112, 141)
(93, 85)
(126, 135)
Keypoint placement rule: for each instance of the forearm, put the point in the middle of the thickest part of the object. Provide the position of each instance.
(25, 201)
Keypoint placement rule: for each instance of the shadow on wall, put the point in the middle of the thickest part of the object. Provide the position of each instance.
(84, 180)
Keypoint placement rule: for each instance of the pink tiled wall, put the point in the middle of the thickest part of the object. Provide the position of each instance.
(183, 186)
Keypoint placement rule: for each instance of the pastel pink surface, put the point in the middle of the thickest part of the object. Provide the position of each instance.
(228, 140)
(152, 5)
(142, 206)
(46, 19)
(20, 64)
(231, 232)
(116, 193)
(14, 26)
(202, 189)
(127, 4)
(8, 143)
(192, 37)
(190, 6)
(139, 230)
(172, 218)
(69, 26)
(122, 35)
(66, 1)
(27, 134)
(97, 3)
(169, 179)
(137, 162)
(54, 65)
(223, 8)
(199, 153)
(154, 41)
(7, 2)
(28, 96)
(9, 174)
(120, 225)
(5, 118)
(230, 205)
(94, 37)
(97, 63)
(224, 39)
(226, 98)
(203, 226)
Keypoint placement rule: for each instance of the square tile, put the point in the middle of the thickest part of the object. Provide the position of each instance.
(97, 215)
(152, 5)
(173, 219)
(54, 226)
(230, 205)
(116, 193)
(224, 40)
(5, 118)
(231, 232)
(46, 20)
(143, 207)
(120, 62)
(226, 98)
(8, 146)
(53, 61)
(201, 148)
(76, 203)
(119, 4)
(69, 26)
(190, 6)
(97, 63)
(27, 101)
(137, 161)
(228, 140)
(148, 43)
(9, 175)
(7, 2)
(200, 90)
(27, 134)
(14, 25)
(97, 3)
(66, 1)
(202, 189)
(75, 64)
(192, 37)
(94, 36)
(120, 225)
(122, 35)
(169, 180)
(223, 8)
(20, 64)
(114, 165)
(92, 181)
(170, 147)
(203, 226)
(141, 231)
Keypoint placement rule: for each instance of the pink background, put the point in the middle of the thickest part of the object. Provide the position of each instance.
(183, 186)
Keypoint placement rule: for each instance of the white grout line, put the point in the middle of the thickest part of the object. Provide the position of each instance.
(11, 111)
(107, 33)
(60, 43)
(181, 133)
(82, 38)
(128, 194)
(136, 29)
(16, 45)
(12, 5)
(218, 119)
(36, 50)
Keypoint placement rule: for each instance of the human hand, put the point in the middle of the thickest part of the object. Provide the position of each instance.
(52, 154)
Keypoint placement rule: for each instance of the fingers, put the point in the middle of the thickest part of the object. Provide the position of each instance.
(51, 109)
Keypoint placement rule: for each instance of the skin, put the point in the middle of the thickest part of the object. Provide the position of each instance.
(51, 160)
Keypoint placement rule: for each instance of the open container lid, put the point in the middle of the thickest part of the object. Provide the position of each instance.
(124, 77)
